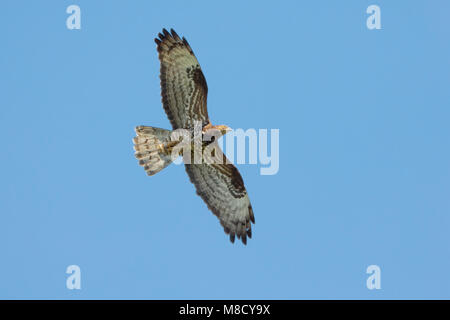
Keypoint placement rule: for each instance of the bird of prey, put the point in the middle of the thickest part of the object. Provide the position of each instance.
(184, 94)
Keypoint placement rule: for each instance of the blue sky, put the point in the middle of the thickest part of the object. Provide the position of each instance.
(364, 150)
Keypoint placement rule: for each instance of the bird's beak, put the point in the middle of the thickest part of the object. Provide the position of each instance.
(227, 129)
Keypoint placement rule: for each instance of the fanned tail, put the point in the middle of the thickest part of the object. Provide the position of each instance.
(150, 145)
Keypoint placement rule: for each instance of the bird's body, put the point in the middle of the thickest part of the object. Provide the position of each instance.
(184, 93)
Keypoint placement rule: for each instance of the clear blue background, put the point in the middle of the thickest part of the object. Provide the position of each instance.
(364, 150)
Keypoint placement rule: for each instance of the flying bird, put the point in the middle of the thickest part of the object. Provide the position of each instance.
(184, 95)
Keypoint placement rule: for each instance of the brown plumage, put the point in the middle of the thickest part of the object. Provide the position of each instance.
(183, 85)
(184, 96)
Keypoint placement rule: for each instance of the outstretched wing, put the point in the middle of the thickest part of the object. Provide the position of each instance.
(222, 188)
(183, 85)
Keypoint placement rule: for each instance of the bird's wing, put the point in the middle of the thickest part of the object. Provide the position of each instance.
(222, 188)
(183, 85)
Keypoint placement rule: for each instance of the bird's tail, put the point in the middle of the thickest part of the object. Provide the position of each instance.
(153, 147)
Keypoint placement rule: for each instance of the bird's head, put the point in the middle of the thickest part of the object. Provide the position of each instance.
(223, 129)
(212, 133)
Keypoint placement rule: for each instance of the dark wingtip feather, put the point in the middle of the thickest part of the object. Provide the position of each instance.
(232, 237)
(174, 34)
(250, 211)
